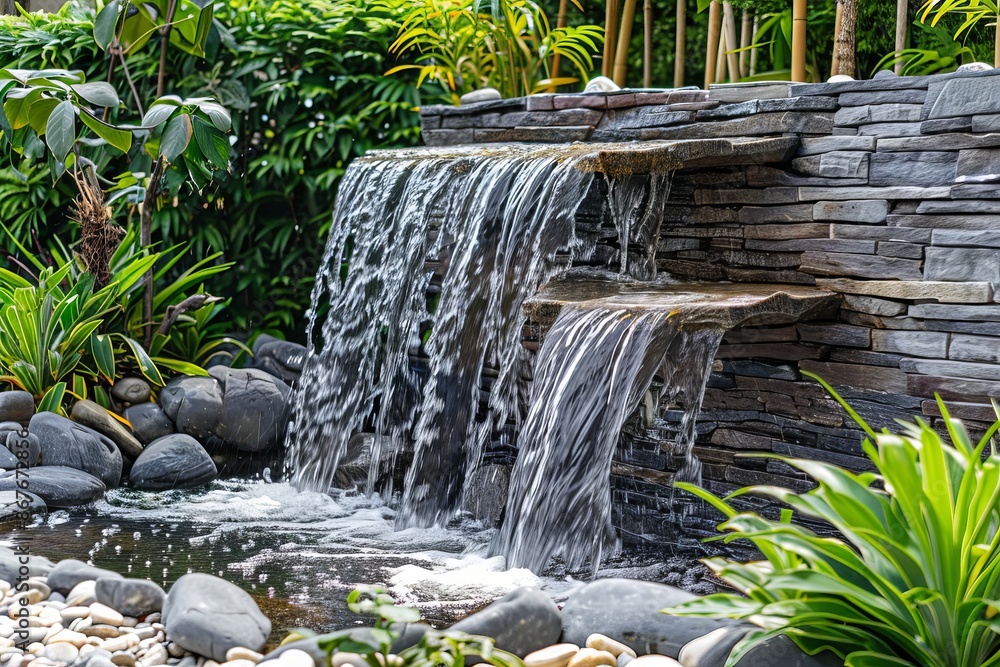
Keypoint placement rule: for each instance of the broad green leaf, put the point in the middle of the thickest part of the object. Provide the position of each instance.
(60, 134)
(120, 139)
(103, 352)
(53, 398)
(99, 93)
(176, 137)
(105, 24)
(146, 365)
(158, 113)
(212, 143)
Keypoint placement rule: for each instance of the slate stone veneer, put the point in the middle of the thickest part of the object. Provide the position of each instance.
(893, 200)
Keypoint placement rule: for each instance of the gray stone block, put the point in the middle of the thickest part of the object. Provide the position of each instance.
(836, 164)
(935, 311)
(789, 213)
(863, 85)
(872, 305)
(951, 389)
(977, 162)
(946, 125)
(878, 113)
(843, 335)
(824, 245)
(817, 145)
(915, 290)
(989, 123)
(741, 92)
(857, 375)
(967, 96)
(883, 97)
(890, 130)
(642, 117)
(558, 118)
(865, 210)
(859, 266)
(880, 233)
(955, 369)
(960, 237)
(553, 135)
(960, 222)
(974, 348)
(930, 344)
(751, 107)
(746, 196)
(757, 125)
(447, 137)
(966, 206)
(898, 192)
(938, 142)
(900, 249)
(924, 169)
(976, 189)
(807, 230)
(962, 264)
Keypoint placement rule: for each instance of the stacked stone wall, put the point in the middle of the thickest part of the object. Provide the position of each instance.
(892, 200)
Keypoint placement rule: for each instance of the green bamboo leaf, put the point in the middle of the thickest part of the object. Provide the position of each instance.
(103, 352)
(146, 365)
(53, 398)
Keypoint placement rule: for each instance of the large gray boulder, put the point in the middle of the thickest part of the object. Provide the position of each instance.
(131, 597)
(16, 406)
(149, 421)
(713, 650)
(66, 443)
(10, 565)
(194, 404)
(255, 407)
(208, 616)
(176, 461)
(629, 611)
(68, 573)
(58, 486)
(524, 620)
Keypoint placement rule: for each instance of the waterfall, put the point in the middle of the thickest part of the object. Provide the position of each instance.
(499, 220)
(595, 365)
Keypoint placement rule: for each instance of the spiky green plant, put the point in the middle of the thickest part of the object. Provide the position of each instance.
(913, 578)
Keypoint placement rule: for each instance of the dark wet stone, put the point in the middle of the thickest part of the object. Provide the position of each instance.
(713, 651)
(280, 358)
(176, 461)
(68, 573)
(16, 406)
(7, 459)
(93, 416)
(629, 611)
(12, 561)
(194, 404)
(255, 408)
(485, 493)
(208, 616)
(58, 486)
(409, 635)
(149, 421)
(131, 390)
(28, 449)
(66, 443)
(15, 503)
(131, 597)
(524, 620)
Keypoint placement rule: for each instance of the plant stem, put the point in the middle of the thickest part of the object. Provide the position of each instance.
(161, 76)
(680, 40)
(145, 240)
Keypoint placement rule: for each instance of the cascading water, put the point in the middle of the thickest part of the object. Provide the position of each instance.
(594, 366)
(505, 216)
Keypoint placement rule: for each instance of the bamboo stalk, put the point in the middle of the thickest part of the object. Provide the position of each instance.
(624, 37)
(902, 21)
(838, 22)
(996, 44)
(647, 44)
(799, 41)
(720, 58)
(714, 34)
(680, 42)
(753, 51)
(745, 37)
(729, 23)
(610, 34)
(560, 23)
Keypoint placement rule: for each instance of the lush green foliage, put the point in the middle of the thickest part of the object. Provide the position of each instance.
(774, 37)
(436, 648)
(943, 54)
(304, 82)
(61, 334)
(913, 578)
(462, 46)
(969, 12)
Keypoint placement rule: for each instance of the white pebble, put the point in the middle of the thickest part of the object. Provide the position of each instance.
(156, 655)
(77, 639)
(347, 659)
(73, 613)
(605, 643)
(61, 652)
(557, 655)
(82, 594)
(100, 613)
(243, 653)
(175, 650)
(238, 663)
(123, 659)
(655, 660)
(294, 657)
(592, 657)
(115, 644)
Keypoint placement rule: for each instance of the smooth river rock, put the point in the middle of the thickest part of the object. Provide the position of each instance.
(523, 621)
(208, 616)
(68, 573)
(713, 650)
(66, 443)
(28, 448)
(16, 406)
(131, 597)
(14, 503)
(11, 564)
(131, 391)
(176, 461)
(194, 404)
(149, 421)
(255, 407)
(91, 414)
(58, 486)
(629, 611)
(280, 358)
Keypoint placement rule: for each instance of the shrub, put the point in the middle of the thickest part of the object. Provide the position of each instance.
(913, 577)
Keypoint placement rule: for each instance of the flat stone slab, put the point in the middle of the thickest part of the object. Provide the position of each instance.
(624, 159)
(694, 305)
